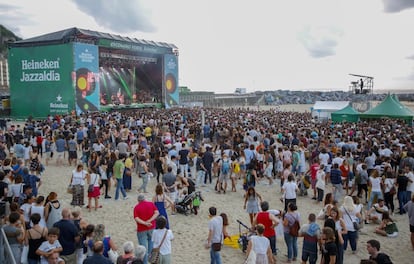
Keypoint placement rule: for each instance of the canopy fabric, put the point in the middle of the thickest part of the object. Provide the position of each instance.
(69, 34)
(347, 114)
(330, 105)
(391, 108)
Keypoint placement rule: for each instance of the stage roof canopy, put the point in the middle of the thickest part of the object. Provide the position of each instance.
(84, 35)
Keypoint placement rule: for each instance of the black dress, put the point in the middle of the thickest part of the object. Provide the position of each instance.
(34, 244)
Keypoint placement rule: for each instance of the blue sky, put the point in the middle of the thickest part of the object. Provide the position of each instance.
(258, 45)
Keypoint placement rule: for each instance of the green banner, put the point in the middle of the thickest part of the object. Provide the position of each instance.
(41, 80)
(132, 46)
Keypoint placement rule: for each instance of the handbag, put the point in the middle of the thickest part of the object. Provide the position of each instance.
(216, 246)
(91, 186)
(294, 229)
(25, 252)
(354, 223)
(155, 253)
(69, 189)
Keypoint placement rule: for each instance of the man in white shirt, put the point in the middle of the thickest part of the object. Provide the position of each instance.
(338, 159)
(215, 235)
(375, 213)
(384, 152)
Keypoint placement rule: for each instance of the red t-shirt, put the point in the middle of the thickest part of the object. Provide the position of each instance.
(344, 171)
(264, 219)
(314, 170)
(145, 210)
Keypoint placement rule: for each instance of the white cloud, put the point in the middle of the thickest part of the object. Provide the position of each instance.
(123, 16)
(265, 45)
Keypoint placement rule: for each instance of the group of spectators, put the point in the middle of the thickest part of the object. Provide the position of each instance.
(372, 160)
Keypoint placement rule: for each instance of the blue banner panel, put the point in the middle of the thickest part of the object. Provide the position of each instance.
(85, 77)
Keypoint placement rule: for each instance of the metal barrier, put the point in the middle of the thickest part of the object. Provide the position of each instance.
(6, 254)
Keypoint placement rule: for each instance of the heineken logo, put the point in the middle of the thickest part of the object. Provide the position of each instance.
(59, 106)
(40, 70)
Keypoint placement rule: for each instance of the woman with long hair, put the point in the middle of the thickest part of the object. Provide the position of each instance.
(387, 227)
(350, 214)
(251, 203)
(329, 249)
(99, 235)
(340, 230)
(162, 202)
(94, 161)
(93, 178)
(388, 187)
(53, 209)
(35, 236)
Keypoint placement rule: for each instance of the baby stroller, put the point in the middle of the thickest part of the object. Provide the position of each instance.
(244, 236)
(190, 203)
(304, 184)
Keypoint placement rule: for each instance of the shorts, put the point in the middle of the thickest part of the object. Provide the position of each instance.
(60, 155)
(309, 256)
(172, 195)
(73, 155)
(412, 228)
(223, 177)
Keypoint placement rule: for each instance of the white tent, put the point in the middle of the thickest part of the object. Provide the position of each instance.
(322, 109)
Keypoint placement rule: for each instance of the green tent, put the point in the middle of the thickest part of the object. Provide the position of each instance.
(389, 108)
(347, 114)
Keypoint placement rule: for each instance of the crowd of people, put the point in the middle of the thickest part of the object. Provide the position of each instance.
(352, 171)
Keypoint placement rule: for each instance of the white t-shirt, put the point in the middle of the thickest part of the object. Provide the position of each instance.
(260, 244)
(94, 179)
(157, 236)
(46, 247)
(216, 225)
(378, 214)
(375, 184)
(324, 158)
(78, 177)
(289, 189)
(320, 179)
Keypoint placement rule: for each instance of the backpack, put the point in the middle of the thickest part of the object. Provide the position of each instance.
(294, 229)
(249, 177)
(225, 167)
(190, 162)
(196, 201)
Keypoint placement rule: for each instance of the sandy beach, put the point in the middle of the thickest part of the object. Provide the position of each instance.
(191, 231)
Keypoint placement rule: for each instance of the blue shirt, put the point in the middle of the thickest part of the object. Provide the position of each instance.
(336, 176)
(68, 232)
(60, 145)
